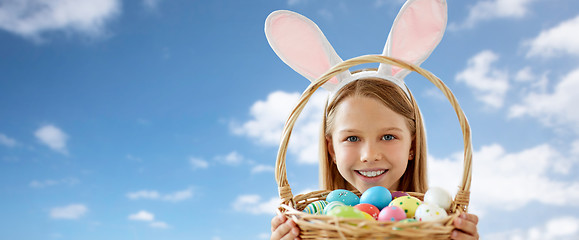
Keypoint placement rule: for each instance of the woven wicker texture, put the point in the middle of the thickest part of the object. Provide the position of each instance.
(329, 227)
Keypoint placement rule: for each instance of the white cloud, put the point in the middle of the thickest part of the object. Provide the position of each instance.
(33, 18)
(493, 9)
(561, 228)
(159, 224)
(268, 119)
(53, 137)
(559, 40)
(232, 159)
(197, 163)
(524, 75)
(490, 84)
(73, 211)
(179, 195)
(142, 216)
(556, 109)
(262, 168)
(155, 195)
(145, 194)
(6, 141)
(253, 204)
(146, 216)
(509, 181)
(50, 182)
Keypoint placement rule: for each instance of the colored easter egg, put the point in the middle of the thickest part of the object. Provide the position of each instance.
(407, 220)
(345, 196)
(398, 194)
(316, 207)
(368, 216)
(346, 212)
(368, 208)
(391, 214)
(429, 212)
(378, 196)
(438, 196)
(408, 204)
(331, 206)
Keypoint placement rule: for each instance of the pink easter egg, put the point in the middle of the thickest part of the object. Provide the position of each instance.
(391, 214)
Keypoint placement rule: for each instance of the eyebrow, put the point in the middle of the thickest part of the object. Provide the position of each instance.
(349, 130)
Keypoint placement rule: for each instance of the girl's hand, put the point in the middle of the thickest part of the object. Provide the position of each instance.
(466, 227)
(283, 228)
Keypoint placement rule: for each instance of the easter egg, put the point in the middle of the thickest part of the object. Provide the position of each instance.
(368, 217)
(438, 196)
(331, 206)
(429, 212)
(345, 196)
(316, 207)
(378, 196)
(391, 214)
(398, 194)
(407, 220)
(368, 208)
(346, 212)
(408, 204)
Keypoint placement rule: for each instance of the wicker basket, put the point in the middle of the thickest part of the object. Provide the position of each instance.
(329, 227)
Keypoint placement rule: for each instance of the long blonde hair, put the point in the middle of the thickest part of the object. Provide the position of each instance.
(414, 178)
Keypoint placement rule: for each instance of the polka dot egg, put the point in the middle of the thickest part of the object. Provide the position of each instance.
(408, 204)
(345, 196)
(391, 214)
(429, 212)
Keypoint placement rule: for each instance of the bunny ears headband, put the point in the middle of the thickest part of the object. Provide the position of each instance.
(300, 43)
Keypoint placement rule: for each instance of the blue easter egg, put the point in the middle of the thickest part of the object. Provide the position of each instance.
(345, 196)
(378, 196)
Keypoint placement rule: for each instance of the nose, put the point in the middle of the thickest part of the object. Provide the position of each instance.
(371, 152)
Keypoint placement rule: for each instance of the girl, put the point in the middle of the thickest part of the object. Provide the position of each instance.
(373, 133)
(373, 136)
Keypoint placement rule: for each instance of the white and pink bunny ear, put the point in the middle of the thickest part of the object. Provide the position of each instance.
(300, 43)
(415, 33)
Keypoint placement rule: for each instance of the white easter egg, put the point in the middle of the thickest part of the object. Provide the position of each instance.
(429, 212)
(438, 196)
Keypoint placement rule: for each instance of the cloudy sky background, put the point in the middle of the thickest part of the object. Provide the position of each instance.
(160, 119)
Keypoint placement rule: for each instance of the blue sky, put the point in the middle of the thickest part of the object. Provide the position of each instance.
(160, 119)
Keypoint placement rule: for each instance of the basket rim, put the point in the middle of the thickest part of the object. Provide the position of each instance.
(462, 196)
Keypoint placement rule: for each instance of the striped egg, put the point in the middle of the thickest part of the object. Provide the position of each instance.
(316, 207)
(331, 206)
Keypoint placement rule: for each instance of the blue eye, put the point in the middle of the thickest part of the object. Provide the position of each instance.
(352, 139)
(388, 137)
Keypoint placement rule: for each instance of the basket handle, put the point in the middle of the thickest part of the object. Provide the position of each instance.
(462, 196)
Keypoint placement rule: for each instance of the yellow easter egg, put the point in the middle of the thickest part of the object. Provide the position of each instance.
(408, 204)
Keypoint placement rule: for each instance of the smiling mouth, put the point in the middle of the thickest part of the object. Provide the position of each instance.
(371, 174)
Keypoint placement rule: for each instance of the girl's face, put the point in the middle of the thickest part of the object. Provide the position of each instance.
(369, 143)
